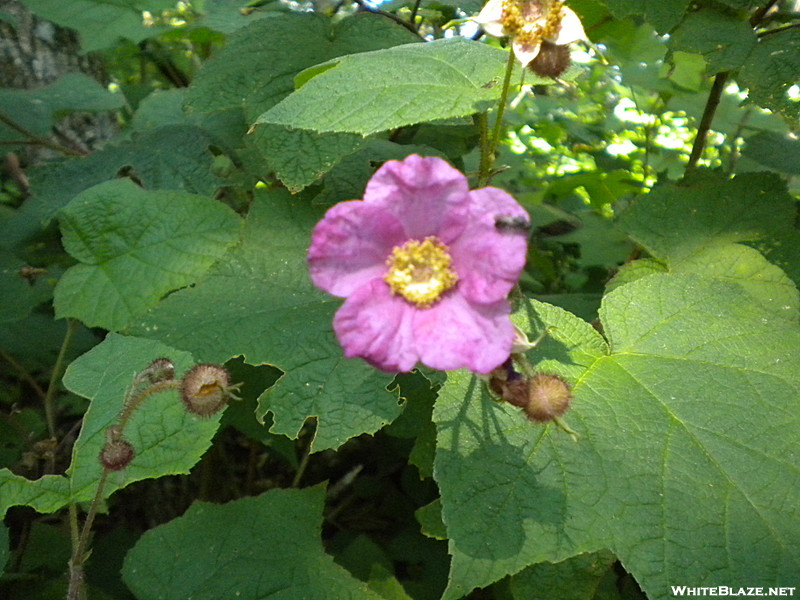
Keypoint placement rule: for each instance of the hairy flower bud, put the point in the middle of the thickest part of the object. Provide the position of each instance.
(552, 60)
(548, 397)
(206, 389)
(161, 369)
(116, 454)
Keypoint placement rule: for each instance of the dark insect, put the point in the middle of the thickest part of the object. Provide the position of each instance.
(511, 224)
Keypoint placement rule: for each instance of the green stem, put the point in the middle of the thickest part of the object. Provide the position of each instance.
(77, 588)
(482, 123)
(35, 139)
(49, 408)
(705, 121)
(25, 375)
(486, 169)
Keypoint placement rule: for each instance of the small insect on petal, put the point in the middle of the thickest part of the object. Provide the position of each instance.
(512, 224)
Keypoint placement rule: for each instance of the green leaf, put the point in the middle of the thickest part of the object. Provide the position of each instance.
(747, 208)
(4, 550)
(18, 296)
(165, 107)
(101, 23)
(263, 547)
(258, 302)
(773, 150)
(407, 85)
(255, 70)
(430, 520)
(37, 110)
(576, 578)
(135, 246)
(167, 439)
(346, 180)
(46, 494)
(687, 461)
(173, 157)
(226, 16)
(661, 15)
(301, 157)
(752, 208)
(772, 68)
(766, 283)
(724, 40)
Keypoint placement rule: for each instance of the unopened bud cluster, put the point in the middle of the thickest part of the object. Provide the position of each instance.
(542, 396)
(205, 390)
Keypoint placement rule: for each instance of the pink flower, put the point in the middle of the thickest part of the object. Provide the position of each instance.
(425, 266)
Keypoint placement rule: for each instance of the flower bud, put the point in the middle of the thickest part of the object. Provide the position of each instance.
(116, 454)
(552, 60)
(161, 369)
(206, 389)
(548, 397)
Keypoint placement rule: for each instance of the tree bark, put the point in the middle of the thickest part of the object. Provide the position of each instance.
(34, 53)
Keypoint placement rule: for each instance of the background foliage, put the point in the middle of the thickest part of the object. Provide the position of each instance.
(661, 176)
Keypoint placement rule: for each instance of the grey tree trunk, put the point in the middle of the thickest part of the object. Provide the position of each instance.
(35, 52)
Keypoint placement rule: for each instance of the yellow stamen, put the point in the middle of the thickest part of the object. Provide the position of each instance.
(531, 21)
(420, 271)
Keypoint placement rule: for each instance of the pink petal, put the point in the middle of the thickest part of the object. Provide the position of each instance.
(488, 259)
(426, 194)
(350, 245)
(377, 326)
(453, 334)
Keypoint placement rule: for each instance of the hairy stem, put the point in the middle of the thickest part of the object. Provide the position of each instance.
(77, 587)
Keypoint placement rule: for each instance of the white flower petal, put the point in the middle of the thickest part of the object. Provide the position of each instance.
(525, 51)
(490, 18)
(571, 29)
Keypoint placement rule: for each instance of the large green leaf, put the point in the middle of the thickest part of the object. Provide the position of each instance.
(257, 66)
(166, 438)
(254, 71)
(258, 548)
(101, 23)
(134, 246)
(173, 157)
(407, 85)
(724, 40)
(301, 157)
(37, 110)
(18, 296)
(751, 208)
(687, 462)
(772, 68)
(584, 573)
(773, 150)
(258, 302)
(661, 15)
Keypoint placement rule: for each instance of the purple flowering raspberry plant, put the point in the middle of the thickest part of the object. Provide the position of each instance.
(424, 267)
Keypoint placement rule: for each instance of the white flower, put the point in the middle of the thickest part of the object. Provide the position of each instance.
(530, 22)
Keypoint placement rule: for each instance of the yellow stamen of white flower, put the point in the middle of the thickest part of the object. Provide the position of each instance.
(420, 271)
(530, 22)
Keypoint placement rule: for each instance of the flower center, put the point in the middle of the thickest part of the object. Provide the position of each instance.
(531, 21)
(420, 271)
